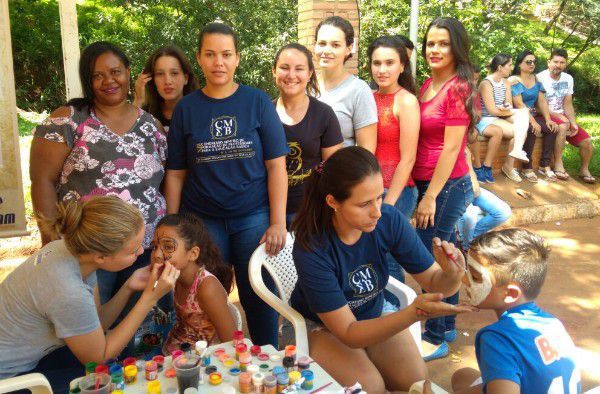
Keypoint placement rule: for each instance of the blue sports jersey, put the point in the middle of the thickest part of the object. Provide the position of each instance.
(531, 348)
(336, 274)
(223, 145)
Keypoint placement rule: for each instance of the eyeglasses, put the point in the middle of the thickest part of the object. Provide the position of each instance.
(529, 62)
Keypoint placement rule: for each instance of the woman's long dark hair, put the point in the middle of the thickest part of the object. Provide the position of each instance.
(461, 46)
(405, 79)
(312, 89)
(519, 59)
(337, 176)
(501, 59)
(153, 98)
(86, 68)
(194, 233)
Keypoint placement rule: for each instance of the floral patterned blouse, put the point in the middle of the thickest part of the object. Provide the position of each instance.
(101, 162)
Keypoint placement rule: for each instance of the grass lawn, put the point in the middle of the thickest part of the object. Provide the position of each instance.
(591, 124)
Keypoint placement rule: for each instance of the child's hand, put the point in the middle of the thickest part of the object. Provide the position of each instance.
(165, 281)
(450, 259)
(139, 279)
(430, 305)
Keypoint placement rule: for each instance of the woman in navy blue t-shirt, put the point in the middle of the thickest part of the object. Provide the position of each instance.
(343, 234)
(226, 164)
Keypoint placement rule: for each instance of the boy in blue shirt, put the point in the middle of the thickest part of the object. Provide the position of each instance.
(527, 350)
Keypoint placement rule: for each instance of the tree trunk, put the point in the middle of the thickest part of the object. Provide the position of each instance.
(549, 25)
(571, 33)
(591, 38)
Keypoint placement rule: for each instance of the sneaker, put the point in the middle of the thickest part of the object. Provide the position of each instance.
(450, 336)
(520, 155)
(439, 351)
(487, 172)
(530, 176)
(480, 172)
(512, 174)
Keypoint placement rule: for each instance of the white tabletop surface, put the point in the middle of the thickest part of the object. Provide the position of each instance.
(321, 377)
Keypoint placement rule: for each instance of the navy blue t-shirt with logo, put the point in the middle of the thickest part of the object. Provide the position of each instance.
(335, 274)
(223, 143)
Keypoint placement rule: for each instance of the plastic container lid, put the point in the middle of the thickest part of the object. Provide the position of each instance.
(283, 378)
(252, 368)
(270, 380)
(258, 378)
(263, 357)
(245, 358)
(255, 350)
(278, 370)
(307, 374)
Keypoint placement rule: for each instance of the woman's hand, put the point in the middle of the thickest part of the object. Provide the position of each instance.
(426, 212)
(139, 279)
(537, 129)
(140, 88)
(430, 305)
(449, 258)
(165, 280)
(552, 125)
(274, 238)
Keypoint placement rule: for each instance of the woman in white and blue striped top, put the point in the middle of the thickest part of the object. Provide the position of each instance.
(499, 120)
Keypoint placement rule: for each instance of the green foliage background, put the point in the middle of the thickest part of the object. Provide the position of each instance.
(140, 26)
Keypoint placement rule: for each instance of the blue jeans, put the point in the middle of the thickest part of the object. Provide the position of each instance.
(486, 212)
(237, 238)
(451, 203)
(406, 203)
(59, 367)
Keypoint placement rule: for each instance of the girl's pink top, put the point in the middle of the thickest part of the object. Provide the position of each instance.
(445, 109)
(193, 323)
(388, 138)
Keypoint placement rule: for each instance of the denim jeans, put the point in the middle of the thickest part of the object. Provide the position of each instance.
(237, 238)
(451, 203)
(486, 212)
(59, 367)
(406, 203)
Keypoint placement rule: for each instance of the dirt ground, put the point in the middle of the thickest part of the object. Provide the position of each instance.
(571, 292)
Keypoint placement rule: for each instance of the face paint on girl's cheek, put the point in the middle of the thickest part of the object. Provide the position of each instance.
(168, 246)
(478, 292)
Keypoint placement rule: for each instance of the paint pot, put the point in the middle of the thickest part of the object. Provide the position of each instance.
(130, 374)
(294, 376)
(252, 369)
(264, 368)
(255, 350)
(229, 363)
(90, 367)
(303, 363)
(223, 357)
(117, 381)
(239, 349)
(235, 371)
(116, 369)
(275, 357)
(245, 381)
(210, 369)
(263, 356)
(290, 351)
(215, 379)
(140, 364)
(218, 351)
(245, 360)
(101, 369)
(277, 370)
(258, 385)
(270, 383)
(309, 377)
(160, 362)
(170, 373)
(151, 370)
(238, 337)
(129, 361)
(153, 387)
(175, 354)
(288, 363)
(283, 380)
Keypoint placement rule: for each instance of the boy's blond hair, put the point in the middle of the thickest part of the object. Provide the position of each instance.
(514, 254)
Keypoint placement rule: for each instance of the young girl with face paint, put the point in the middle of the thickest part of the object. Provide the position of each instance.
(311, 127)
(343, 235)
(200, 291)
(527, 350)
(226, 165)
(350, 97)
(166, 78)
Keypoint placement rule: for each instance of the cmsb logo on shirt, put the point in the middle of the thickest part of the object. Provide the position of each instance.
(363, 280)
(223, 127)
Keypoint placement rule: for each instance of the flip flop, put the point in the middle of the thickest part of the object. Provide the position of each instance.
(562, 175)
(588, 179)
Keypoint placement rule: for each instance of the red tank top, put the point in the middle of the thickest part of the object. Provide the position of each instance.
(388, 138)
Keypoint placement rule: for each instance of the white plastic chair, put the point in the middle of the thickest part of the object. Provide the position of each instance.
(283, 271)
(235, 313)
(36, 382)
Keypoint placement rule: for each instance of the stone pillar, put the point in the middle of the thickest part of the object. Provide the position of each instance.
(311, 12)
(70, 46)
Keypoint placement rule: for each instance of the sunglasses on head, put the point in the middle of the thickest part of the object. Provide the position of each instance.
(529, 62)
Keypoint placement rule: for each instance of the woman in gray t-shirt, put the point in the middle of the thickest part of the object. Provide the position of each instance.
(350, 97)
(52, 300)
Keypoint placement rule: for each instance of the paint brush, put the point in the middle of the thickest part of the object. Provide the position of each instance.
(321, 388)
(160, 271)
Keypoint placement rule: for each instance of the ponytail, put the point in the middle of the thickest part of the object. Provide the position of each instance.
(194, 233)
(337, 176)
(98, 225)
